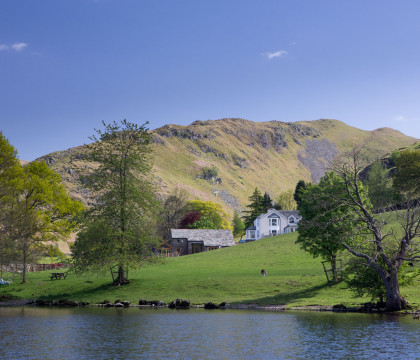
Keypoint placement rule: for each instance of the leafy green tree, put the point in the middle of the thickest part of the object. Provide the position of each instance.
(211, 214)
(321, 232)
(238, 225)
(407, 175)
(118, 231)
(35, 208)
(363, 280)
(300, 188)
(255, 208)
(203, 223)
(382, 247)
(43, 212)
(10, 176)
(286, 200)
(381, 193)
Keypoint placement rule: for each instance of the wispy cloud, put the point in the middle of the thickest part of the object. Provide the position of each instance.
(17, 47)
(276, 54)
(400, 118)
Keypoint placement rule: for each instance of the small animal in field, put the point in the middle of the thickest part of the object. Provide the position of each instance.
(263, 272)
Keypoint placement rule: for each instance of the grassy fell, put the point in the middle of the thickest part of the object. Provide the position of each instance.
(230, 274)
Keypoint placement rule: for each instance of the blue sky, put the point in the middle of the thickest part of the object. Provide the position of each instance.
(67, 65)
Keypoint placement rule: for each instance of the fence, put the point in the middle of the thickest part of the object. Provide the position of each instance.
(18, 268)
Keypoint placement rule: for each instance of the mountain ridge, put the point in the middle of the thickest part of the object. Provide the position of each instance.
(245, 154)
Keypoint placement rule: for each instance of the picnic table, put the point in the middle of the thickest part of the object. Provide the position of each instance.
(58, 276)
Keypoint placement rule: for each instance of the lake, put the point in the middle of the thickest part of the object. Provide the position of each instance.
(110, 333)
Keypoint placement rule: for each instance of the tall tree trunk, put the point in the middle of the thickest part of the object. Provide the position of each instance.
(120, 280)
(334, 267)
(394, 300)
(24, 268)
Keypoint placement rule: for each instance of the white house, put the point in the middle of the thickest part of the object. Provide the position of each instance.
(274, 222)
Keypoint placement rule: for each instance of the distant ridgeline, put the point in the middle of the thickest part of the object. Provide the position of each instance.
(224, 160)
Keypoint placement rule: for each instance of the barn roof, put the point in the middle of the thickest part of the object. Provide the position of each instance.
(207, 236)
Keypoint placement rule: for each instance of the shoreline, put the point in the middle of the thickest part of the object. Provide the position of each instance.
(274, 308)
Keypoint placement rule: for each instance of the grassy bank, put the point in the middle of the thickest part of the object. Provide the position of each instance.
(231, 275)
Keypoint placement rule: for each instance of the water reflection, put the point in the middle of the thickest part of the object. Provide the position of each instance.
(95, 333)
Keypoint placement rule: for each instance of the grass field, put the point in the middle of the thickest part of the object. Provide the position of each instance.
(230, 274)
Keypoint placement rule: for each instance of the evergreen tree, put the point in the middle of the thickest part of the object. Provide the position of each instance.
(256, 208)
(266, 202)
(299, 190)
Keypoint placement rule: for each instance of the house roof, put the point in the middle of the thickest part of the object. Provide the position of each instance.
(252, 228)
(289, 213)
(275, 213)
(207, 236)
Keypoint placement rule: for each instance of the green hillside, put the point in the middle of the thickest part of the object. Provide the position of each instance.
(270, 155)
(230, 274)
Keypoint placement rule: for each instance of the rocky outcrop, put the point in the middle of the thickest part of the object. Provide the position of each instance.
(317, 157)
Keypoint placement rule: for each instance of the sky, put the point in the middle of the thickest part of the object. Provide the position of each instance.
(68, 65)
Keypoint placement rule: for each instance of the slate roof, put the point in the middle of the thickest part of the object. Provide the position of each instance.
(207, 236)
(288, 213)
(252, 228)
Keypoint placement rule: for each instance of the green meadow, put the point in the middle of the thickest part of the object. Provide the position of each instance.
(232, 275)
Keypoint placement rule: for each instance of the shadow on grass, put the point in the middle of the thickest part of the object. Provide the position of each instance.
(285, 298)
(81, 294)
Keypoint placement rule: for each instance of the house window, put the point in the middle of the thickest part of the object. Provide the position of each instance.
(273, 232)
(272, 222)
(196, 248)
(252, 234)
(212, 248)
(291, 220)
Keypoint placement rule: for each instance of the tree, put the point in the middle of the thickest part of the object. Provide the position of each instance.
(320, 232)
(10, 175)
(256, 208)
(266, 203)
(189, 219)
(367, 236)
(211, 215)
(363, 280)
(35, 208)
(238, 225)
(173, 209)
(407, 175)
(118, 232)
(286, 200)
(42, 212)
(203, 223)
(300, 188)
(381, 193)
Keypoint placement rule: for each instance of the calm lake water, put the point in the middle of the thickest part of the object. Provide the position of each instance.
(97, 333)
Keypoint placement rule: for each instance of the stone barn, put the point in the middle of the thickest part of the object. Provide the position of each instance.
(191, 241)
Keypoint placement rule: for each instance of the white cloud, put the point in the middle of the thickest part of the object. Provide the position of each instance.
(400, 118)
(19, 46)
(3, 47)
(280, 53)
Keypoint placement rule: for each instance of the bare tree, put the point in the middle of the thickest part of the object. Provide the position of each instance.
(384, 247)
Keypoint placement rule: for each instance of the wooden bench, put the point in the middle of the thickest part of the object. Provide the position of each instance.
(58, 276)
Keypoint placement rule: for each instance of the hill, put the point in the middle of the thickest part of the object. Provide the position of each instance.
(272, 156)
